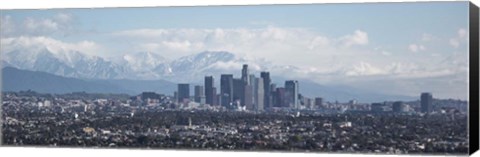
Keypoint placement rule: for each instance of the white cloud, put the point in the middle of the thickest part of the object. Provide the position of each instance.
(364, 68)
(357, 38)
(416, 47)
(386, 53)
(142, 33)
(427, 37)
(319, 41)
(171, 46)
(435, 55)
(7, 25)
(462, 33)
(402, 68)
(40, 25)
(267, 42)
(227, 65)
(454, 42)
(60, 23)
(460, 38)
(182, 45)
(274, 33)
(422, 48)
(413, 47)
(64, 17)
(40, 43)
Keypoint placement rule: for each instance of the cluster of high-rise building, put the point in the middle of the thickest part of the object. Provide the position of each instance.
(253, 93)
(248, 92)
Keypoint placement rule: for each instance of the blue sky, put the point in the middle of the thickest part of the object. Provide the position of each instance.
(336, 18)
(390, 24)
(335, 42)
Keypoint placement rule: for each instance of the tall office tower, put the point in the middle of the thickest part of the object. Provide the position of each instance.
(226, 89)
(266, 84)
(318, 102)
(242, 93)
(248, 97)
(209, 92)
(399, 106)
(259, 94)
(273, 95)
(273, 87)
(238, 90)
(215, 100)
(175, 96)
(218, 99)
(301, 102)
(308, 102)
(199, 94)
(426, 102)
(280, 97)
(183, 93)
(291, 94)
(245, 78)
(251, 78)
(253, 82)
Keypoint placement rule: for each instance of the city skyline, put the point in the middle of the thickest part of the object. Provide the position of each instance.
(375, 78)
(338, 44)
(252, 93)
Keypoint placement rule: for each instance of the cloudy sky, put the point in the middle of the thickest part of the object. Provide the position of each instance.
(354, 43)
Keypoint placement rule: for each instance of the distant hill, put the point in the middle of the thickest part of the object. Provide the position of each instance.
(18, 80)
(138, 86)
(334, 93)
(14, 79)
(345, 93)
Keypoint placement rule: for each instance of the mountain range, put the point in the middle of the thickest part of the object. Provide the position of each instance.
(14, 79)
(135, 66)
(46, 71)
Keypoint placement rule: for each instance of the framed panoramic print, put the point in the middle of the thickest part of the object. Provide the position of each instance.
(355, 78)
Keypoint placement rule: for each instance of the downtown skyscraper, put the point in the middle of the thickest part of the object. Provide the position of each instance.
(199, 94)
(291, 94)
(259, 94)
(183, 93)
(226, 89)
(266, 86)
(426, 102)
(247, 95)
(210, 91)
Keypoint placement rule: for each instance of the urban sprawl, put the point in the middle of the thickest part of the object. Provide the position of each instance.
(248, 113)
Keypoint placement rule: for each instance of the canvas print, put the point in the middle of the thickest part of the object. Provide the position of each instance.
(389, 78)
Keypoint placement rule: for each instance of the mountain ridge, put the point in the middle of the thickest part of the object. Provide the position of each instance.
(21, 80)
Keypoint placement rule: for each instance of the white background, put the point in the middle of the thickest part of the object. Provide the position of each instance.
(74, 152)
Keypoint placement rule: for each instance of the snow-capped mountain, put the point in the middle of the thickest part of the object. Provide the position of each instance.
(201, 61)
(146, 71)
(141, 65)
(193, 68)
(145, 65)
(143, 61)
(68, 64)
